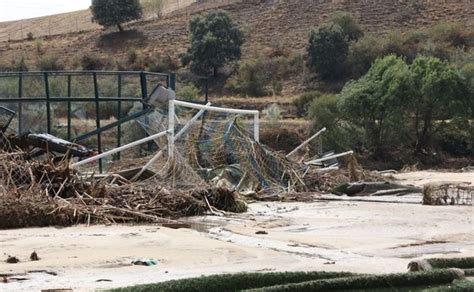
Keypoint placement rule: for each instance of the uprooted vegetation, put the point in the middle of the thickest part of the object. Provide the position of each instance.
(50, 193)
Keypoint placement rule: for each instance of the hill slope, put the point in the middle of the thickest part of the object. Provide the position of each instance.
(265, 22)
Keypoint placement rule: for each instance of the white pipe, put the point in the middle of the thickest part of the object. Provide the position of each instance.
(171, 115)
(329, 157)
(176, 137)
(215, 109)
(119, 149)
(306, 142)
(327, 169)
(191, 121)
(256, 127)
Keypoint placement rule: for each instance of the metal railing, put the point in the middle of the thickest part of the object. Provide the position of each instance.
(18, 90)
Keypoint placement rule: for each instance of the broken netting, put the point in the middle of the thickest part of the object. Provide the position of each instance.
(219, 149)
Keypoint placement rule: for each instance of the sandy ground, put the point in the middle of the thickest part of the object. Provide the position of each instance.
(364, 237)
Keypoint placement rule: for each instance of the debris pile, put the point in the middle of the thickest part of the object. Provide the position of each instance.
(448, 193)
(45, 193)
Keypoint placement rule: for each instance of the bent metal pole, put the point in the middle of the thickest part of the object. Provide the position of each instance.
(306, 142)
(119, 149)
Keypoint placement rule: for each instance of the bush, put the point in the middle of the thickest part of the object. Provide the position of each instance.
(272, 114)
(303, 102)
(92, 62)
(348, 24)
(324, 112)
(327, 51)
(49, 63)
(251, 79)
(363, 53)
(456, 137)
(454, 34)
(157, 63)
(30, 36)
(188, 93)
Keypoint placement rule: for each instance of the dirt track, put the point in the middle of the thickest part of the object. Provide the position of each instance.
(326, 235)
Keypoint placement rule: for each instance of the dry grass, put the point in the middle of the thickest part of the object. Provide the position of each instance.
(65, 23)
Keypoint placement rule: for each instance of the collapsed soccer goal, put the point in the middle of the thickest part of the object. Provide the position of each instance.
(200, 144)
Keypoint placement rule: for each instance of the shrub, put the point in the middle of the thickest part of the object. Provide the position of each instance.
(456, 137)
(303, 102)
(327, 51)
(454, 34)
(251, 79)
(30, 36)
(272, 114)
(157, 63)
(92, 62)
(21, 65)
(324, 112)
(350, 28)
(49, 63)
(363, 53)
(215, 40)
(188, 92)
(154, 7)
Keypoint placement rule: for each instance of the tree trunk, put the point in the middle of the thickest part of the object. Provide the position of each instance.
(120, 27)
(214, 72)
(423, 141)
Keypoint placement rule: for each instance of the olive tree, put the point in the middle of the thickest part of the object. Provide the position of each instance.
(115, 12)
(215, 40)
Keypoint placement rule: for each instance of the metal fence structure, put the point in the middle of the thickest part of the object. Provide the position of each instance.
(52, 101)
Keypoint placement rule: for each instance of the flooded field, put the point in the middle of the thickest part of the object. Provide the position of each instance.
(324, 235)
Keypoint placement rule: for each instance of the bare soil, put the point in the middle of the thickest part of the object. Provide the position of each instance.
(363, 237)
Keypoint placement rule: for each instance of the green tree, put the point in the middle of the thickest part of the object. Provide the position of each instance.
(115, 12)
(215, 40)
(375, 101)
(439, 93)
(348, 24)
(327, 51)
(324, 112)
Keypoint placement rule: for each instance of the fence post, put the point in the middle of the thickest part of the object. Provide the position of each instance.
(69, 107)
(20, 107)
(97, 116)
(48, 103)
(119, 109)
(172, 81)
(171, 115)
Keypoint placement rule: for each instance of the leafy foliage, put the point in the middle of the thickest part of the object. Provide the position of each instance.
(374, 102)
(49, 63)
(188, 92)
(215, 40)
(327, 51)
(303, 102)
(439, 92)
(348, 24)
(115, 12)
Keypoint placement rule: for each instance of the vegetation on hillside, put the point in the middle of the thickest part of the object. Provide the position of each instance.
(215, 40)
(115, 12)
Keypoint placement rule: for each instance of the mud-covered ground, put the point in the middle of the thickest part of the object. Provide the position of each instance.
(331, 235)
